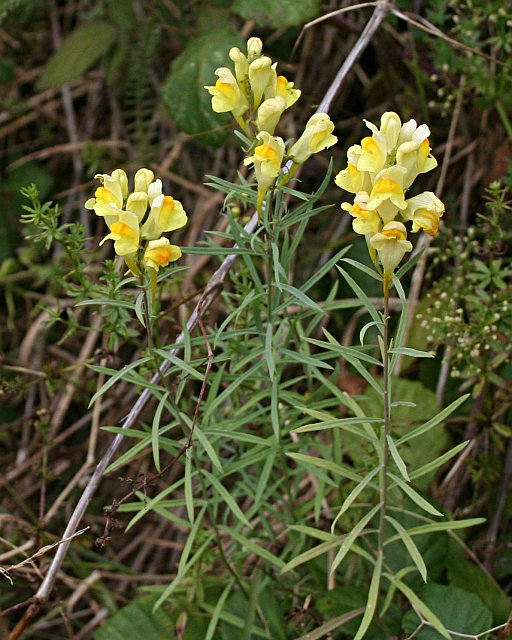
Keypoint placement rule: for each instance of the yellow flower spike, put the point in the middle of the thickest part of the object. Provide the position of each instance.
(241, 65)
(260, 75)
(143, 178)
(425, 211)
(391, 245)
(317, 136)
(267, 160)
(227, 95)
(387, 194)
(125, 233)
(166, 214)
(137, 203)
(269, 114)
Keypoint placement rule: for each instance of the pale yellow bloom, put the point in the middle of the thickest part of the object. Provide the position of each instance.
(317, 136)
(166, 214)
(391, 245)
(267, 160)
(260, 74)
(425, 211)
(269, 114)
(415, 158)
(254, 48)
(373, 154)
(366, 221)
(125, 233)
(137, 203)
(227, 95)
(241, 65)
(285, 89)
(160, 252)
(387, 194)
(143, 178)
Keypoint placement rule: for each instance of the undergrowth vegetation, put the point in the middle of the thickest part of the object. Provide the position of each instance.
(276, 403)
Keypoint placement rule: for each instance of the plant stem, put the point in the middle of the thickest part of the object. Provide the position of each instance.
(383, 477)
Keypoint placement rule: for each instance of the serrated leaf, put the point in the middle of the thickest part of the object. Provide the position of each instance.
(77, 53)
(278, 14)
(183, 92)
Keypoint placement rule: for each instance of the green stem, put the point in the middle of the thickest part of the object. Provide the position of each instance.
(383, 477)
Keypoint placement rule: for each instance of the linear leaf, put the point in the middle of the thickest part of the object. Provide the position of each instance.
(414, 353)
(228, 498)
(361, 295)
(214, 620)
(373, 594)
(189, 493)
(430, 466)
(410, 546)
(324, 547)
(207, 446)
(415, 496)
(118, 375)
(351, 537)
(155, 428)
(249, 544)
(397, 458)
(353, 495)
(418, 431)
(302, 297)
(181, 364)
(331, 625)
(329, 465)
(449, 525)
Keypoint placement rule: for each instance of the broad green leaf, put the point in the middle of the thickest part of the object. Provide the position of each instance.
(137, 620)
(78, 52)
(420, 606)
(183, 94)
(278, 14)
(454, 609)
(373, 594)
(410, 546)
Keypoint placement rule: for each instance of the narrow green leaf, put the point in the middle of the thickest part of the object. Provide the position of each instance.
(415, 496)
(433, 422)
(301, 297)
(269, 352)
(396, 457)
(450, 525)
(181, 364)
(155, 428)
(249, 544)
(324, 630)
(414, 353)
(372, 273)
(361, 295)
(320, 549)
(228, 498)
(319, 534)
(302, 358)
(207, 446)
(353, 495)
(367, 326)
(328, 465)
(189, 493)
(214, 620)
(139, 308)
(351, 537)
(118, 375)
(435, 464)
(410, 546)
(373, 594)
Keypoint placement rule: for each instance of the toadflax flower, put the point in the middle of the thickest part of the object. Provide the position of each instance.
(317, 136)
(379, 172)
(267, 160)
(137, 220)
